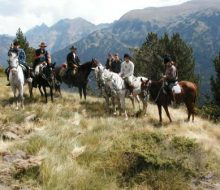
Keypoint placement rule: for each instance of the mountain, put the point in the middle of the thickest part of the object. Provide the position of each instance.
(5, 42)
(197, 21)
(95, 45)
(61, 34)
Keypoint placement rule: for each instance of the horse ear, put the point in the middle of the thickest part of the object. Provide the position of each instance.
(142, 80)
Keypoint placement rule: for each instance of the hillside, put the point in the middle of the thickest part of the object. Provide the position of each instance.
(73, 144)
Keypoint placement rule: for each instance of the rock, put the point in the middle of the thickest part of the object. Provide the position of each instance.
(13, 157)
(77, 151)
(30, 118)
(8, 135)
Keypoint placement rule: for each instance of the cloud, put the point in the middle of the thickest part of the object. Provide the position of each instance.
(27, 14)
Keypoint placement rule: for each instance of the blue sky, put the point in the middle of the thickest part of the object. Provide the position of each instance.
(28, 13)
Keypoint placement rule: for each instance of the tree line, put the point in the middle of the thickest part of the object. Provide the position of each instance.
(148, 60)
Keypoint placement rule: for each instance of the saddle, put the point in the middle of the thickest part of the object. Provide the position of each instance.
(39, 68)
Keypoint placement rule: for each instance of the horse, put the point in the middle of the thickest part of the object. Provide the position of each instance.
(79, 79)
(16, 78)
(187, 95)
(117, 89)
(46, 78)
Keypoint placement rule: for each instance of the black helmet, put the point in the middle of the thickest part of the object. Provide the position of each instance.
(126, 55)
(16, 43)
(167, 59)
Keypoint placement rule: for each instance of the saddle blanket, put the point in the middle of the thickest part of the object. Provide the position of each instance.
(176, 89)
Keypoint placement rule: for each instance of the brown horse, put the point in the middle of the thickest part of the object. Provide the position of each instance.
(188, 96)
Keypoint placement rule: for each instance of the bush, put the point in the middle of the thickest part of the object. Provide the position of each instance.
(211, 112)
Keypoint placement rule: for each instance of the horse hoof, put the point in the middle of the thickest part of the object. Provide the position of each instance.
(16, 108)
(114, 113)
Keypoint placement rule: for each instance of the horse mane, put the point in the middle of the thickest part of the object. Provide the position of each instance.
(85, 66)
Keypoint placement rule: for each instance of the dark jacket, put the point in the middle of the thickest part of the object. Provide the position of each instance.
(71, 61)
(116, 66)
(39, 59)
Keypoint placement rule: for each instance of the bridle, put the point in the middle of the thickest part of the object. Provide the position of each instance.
(145, 91)
(15, 66)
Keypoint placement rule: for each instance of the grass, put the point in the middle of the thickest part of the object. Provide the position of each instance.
(83, 147)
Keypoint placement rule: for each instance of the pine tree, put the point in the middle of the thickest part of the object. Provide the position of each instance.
(149, 57)
(215, 81)
(25, 45)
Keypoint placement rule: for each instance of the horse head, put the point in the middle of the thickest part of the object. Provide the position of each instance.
(145, 85)
(13, 59)
(48, 73)
(94, 62)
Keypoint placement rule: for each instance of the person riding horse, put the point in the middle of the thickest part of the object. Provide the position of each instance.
(127, 72)
(170, 78)
(41, 57)
(21, 59)
(73, 61)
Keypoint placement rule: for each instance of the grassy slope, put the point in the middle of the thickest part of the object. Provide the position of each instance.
(84, 148)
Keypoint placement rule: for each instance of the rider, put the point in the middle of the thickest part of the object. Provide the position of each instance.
(127, 72)
(21, 59)
(41, 56)
(170, 76)
(116, 64)
(109, 61)
(73, 61)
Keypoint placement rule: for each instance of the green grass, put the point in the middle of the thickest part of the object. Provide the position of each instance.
(83, 147)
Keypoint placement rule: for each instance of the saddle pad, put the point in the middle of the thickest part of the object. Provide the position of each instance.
(176, 89)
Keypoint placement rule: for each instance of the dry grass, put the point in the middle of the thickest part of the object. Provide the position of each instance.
(80, 142)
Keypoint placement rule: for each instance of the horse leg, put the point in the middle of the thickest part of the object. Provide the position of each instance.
(41, 93)
(122, 102)
(30, 89)
(191, 111)
(84, 92)
(160, 112)
(167, 112)
(51, 93)
(80, 92)
(138, 100)
(132, 101)
(144, 106)
(21, 97)
(45, 93)
(15, 97)
(114, 107)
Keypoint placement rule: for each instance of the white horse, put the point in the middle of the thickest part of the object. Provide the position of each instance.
(16, 78)
(118, 90)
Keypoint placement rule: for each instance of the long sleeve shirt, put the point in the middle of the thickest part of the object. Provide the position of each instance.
(21, 56)
(127, 69)
(171, 73)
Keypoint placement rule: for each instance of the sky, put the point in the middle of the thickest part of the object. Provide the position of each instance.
(29, 13)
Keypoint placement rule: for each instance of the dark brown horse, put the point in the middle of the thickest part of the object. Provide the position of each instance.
(80, 79)
(188, 96)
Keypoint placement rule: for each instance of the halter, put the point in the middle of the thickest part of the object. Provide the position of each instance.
(14, 66)
(146, 91)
